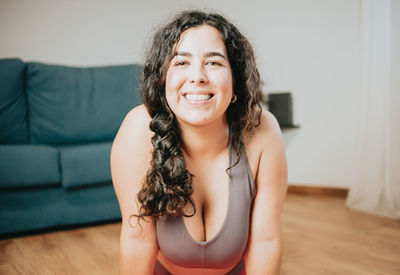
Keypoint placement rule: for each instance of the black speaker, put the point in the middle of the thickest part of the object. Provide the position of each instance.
(281, 106)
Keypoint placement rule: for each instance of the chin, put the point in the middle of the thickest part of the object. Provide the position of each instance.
(196, 122)
(198, 118)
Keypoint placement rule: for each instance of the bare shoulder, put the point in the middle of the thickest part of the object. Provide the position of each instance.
(130, 158)
(134, 135)
(266, 153)
(266, 136)
(135, 124)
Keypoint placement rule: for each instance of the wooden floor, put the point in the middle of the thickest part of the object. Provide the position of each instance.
(320, 237)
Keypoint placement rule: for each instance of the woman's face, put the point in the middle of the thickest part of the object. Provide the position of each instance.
(199, 77)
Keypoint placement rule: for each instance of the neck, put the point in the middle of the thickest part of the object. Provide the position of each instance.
(205, 141)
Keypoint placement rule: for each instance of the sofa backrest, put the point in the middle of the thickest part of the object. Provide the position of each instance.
(73, 105)
(63, 104)
(13, 107)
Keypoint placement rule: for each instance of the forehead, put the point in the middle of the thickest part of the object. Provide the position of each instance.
(200, 39)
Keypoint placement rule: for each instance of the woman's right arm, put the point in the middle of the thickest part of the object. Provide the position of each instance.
(130, 160)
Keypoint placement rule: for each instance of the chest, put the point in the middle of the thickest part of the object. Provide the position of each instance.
(216, 236)
(210, 196)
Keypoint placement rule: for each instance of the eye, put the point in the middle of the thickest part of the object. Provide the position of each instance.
(181, 63)
(213, 63)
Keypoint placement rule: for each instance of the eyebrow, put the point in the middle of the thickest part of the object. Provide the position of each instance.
(208, 54)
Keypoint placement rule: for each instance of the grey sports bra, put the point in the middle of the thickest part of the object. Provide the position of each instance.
(226, 248)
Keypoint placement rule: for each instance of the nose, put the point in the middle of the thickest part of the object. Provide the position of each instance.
(198, 75)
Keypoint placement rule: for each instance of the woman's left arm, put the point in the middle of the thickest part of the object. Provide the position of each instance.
(264, 250)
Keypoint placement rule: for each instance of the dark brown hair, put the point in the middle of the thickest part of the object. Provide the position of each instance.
(167, 187)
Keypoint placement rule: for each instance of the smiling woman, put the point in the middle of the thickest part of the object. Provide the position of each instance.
(211, 198)
(199, 78)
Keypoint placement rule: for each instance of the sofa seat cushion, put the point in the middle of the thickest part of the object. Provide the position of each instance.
(13, 108)
(33, 209)
(85, 164)
(28, 165)
(76, 105)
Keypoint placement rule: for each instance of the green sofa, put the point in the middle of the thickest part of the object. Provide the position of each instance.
(57, 124)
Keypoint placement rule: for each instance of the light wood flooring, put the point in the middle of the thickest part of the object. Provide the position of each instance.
(320, 237)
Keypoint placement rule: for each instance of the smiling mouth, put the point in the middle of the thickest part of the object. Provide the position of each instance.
(198, 97)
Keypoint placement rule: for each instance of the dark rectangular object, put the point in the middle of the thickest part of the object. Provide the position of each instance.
(281, 106)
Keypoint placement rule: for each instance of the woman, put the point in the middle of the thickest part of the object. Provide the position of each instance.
(200, 170)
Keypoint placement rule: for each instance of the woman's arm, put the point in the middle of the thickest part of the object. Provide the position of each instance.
(130, 160)
(264, 251)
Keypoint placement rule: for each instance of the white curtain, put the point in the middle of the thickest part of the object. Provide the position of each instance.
(377, 187)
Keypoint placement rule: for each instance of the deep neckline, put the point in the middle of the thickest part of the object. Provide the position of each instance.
(219, 232)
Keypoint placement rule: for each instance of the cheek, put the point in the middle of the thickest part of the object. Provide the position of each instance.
(229, 82)
(224, 81)
(174, 80)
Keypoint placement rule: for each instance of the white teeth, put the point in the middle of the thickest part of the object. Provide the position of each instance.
(198, 97)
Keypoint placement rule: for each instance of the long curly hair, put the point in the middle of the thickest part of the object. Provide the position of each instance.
(167, 187)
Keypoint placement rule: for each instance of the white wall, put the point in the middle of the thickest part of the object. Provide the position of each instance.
(395, 86)
(395, 48)
(309, 47)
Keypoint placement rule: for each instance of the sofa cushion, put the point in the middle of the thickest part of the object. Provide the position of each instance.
(35, 209)
(28, 165)
(13, 110)
(70, 104)
(86, 164)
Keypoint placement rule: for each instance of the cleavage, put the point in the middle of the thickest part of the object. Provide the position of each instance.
(211, 198)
